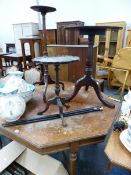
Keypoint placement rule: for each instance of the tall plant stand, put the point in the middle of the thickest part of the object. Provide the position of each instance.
(46, 79)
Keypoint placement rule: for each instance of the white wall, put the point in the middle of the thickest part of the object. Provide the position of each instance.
(18, 11)
(11, 12)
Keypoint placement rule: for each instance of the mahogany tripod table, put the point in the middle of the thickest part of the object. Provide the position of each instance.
(88, 79)
(56, 100)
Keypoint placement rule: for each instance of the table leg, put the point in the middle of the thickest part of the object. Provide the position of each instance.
(57, 100)
(46, 82)
(20, 65)
(60, 105)
(1, 66)
(1, 145)
(87, 80)
(109, 168)
(73, 157)
(24, 56)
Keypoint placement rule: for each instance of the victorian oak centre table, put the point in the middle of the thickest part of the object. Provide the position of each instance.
(50, 136)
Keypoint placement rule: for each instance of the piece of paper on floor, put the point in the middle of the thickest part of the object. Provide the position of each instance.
(40, 164)
(9, 153)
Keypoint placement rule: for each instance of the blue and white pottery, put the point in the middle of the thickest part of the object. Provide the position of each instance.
(27, 95)
(12, 106)
(7, 90)
(14, 83)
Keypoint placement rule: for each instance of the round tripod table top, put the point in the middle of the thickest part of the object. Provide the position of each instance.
(65, 59)
(43, 9)
(93, 30)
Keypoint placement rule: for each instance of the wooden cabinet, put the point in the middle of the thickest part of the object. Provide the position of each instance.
(128, 39)
(72, 71)
(68, 36)
(112, 41)
(51, 36)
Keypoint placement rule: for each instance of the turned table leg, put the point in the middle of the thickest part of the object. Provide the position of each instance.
(73, 157)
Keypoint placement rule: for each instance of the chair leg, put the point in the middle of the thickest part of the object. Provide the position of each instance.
(109, 79)
(124, 84)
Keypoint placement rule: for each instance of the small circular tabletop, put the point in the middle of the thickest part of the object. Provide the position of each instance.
(43, 9)
(56, 59)
(95, 30)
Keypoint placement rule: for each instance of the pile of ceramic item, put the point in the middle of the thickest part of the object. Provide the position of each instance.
(126, 108)
(15, 92)
(125, 136)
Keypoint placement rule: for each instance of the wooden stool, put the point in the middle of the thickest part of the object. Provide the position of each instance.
(31, 42)
(117, 154)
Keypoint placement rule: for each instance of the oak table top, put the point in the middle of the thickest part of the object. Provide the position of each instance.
(50, 136)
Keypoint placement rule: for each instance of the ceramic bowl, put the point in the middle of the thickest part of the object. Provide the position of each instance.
(27, 95)
(6, 90)
(17, 82)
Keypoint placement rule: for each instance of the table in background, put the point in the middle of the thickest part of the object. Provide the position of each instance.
(48, 137)
(18, 58)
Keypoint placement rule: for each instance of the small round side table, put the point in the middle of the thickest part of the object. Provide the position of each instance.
(56, 100)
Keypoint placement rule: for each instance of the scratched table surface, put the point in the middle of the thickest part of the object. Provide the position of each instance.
(51, 136)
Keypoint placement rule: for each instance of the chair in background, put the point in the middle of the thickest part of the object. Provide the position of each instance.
(101, 71)
(119, 71)
(122, 61)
